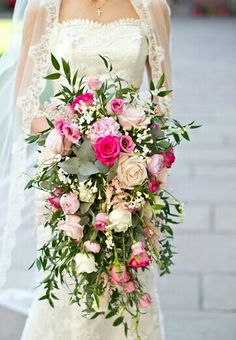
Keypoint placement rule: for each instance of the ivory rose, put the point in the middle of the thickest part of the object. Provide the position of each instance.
(72, 227)
(107, 150)
(119, 274)
(133, 117)
(70, 203)
(131, 171)
(85, 263)
(120, 219)
(145, 300)
(94, 83)
(57, 143)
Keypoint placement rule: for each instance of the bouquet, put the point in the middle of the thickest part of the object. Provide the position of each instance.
(104, 161)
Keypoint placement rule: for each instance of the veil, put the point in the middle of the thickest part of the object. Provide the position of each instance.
(22, 91)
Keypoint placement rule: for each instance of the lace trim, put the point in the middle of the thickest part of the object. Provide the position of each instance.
(94, 23)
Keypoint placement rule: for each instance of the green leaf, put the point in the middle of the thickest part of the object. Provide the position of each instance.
(38, 264)
(85, 151)
(55, 63)
(84, 207)
(152, 86)
(111, 314)
(53, 76)
(71, 166)
(75, 78)
(101, 167)
(118, 321)
(161, 81)
(87, 168)
(164, 93)
(112, 172)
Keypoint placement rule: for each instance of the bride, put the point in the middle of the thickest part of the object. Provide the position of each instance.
(134, 34)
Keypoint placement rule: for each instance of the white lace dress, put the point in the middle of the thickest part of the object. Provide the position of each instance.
(81, 41)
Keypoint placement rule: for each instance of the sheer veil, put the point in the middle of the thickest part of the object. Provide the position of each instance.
(22, 91)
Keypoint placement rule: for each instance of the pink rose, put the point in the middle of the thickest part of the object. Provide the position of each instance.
(59, 125)
(116, 106)
(127, 144)
(153, 185)
(70, 203)
(133, 117)
(107, 150)
(94, 83)
(54, 198)
(145, 300)
(101, 221)
(92, 247)
(129, 287)
(138, 248)
(139, 257)
(86, 99)
(155, 164)
(57, 143)
(72, 227)
(169, 158)
(71, 132)
(119, 275)
(103, 127)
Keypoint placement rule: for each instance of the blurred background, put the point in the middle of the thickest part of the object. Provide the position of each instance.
(199, 297)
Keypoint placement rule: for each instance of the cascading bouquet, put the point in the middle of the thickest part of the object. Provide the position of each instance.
(104, 162)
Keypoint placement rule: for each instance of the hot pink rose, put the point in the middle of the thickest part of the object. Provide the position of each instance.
(116, 106)
(103, 127)
(72, 227)
(71, 132)
(153, 185)
(94, 83)
(145, 300)
(92, 247)
(155, 164)
(70, 203)
(119, 275)
(54, 198)
(56, 143)
(127, 144)
(169, 158)
(86, 99)
(101, 221)
(107, 150)
(59, 125)
(129, 287)
(139, 257)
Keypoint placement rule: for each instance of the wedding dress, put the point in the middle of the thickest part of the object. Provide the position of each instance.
(80, 41)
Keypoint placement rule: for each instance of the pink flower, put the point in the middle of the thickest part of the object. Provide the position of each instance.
(92, 247)
(56, 143)
(129, 287)
(72, 227)
(116, 106)
(71, 132)
(139, 257)
(145, 300)
(119, 275)
(107, 150)
(101, 221)
(169, 158)
(127, 144)
(133, 116)
(153, 185)
(155, 164)
(86, 99)
(70, 203)
(104, 127)
(54, 198)
(59, 125)
(94, 83)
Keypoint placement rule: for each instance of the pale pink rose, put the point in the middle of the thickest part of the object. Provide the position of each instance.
(127, 144)
(92, 247)
(133, 117)
(85, 99)
(139, 257)
(54, 198)
(153, 185)
(101, 221)
(107, 150)
(119, 274)
(71, 132)
(169, 158)
(59, 125)
(104, 127)
(129, 287)
(70, 203)
(155, 164)
(72, 227)
(117, 106)
(94, 83)
(145, 300)
(57, 143)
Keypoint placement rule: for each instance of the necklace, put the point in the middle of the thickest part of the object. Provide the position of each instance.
(99, 10)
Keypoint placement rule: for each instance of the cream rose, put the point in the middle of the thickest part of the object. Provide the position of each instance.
(120, 219)
(132, 116)
(85, 263)
(131, 171)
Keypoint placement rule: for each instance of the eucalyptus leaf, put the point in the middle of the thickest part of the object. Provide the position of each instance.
(85, 151)
(84, 207)
(82, 178)
(87, 168)
(101, 167)
(71, 166)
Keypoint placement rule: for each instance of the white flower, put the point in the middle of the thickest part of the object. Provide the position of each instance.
(103, 304)
(120, 219)
(85, 263)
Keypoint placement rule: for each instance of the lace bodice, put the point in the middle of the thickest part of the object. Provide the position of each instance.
(124, 41)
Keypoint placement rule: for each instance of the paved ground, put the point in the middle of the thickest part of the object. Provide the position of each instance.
(199, 299)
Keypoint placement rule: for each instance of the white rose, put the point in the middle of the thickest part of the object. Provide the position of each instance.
(103, 304)
(120, 219)
(85, 263)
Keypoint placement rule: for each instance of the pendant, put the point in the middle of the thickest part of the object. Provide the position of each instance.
(99, 11)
